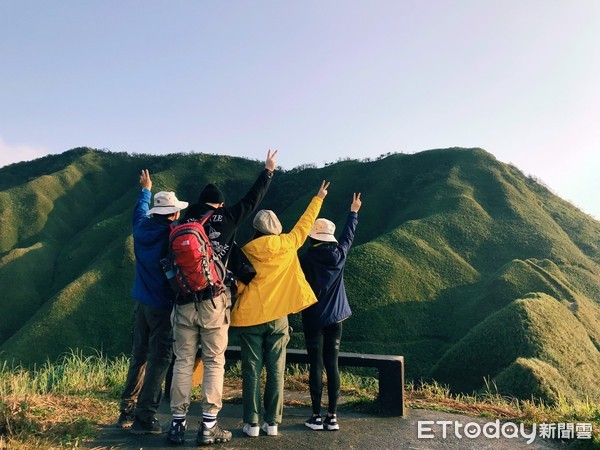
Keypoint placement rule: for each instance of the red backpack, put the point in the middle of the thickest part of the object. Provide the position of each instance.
(193, 265)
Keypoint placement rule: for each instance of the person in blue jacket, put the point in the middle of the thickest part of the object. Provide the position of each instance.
(152, 337)
(323, 265)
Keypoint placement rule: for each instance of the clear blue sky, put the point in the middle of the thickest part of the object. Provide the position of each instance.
(318, 80)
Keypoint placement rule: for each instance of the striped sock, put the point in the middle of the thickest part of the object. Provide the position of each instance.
(209, 420)
(179, 419)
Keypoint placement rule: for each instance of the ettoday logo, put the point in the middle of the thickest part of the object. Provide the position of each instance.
(507, 430)
(473, 430)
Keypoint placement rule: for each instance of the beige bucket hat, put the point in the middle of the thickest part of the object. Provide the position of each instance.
(323, 230)
(166, 203)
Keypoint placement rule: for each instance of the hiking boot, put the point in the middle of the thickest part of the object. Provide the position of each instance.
(152, 427)
(176, 434)
(212, 435)
(270, 428)
(125, 420)
(314, 423)
(330, 423)
(251, 429)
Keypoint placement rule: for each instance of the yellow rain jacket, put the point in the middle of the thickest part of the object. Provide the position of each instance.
(279, 287)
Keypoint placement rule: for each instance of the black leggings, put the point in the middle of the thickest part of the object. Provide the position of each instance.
(323, 347)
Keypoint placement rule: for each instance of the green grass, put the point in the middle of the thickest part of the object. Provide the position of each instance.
(61, 404)
(73, 373)
(448, 240)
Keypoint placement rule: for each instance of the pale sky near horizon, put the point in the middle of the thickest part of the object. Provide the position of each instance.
(318, 80)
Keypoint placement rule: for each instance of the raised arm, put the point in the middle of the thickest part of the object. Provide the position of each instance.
(246, 206)
(142, 205)
(347, 234)
(299, 233)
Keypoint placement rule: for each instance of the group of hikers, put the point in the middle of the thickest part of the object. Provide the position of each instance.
(170, 327)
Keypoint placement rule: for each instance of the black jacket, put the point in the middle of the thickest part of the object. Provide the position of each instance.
(224, 222)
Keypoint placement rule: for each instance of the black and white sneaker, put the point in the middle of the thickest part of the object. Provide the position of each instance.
(176, 434)
(330, 423)
(152, 427)
(212, 435)
(314, 423)
(125, 420)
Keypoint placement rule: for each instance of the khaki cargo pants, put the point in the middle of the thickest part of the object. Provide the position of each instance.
(200, 324)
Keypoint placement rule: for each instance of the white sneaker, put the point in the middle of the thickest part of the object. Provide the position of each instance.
(251, 431)
(271, 430)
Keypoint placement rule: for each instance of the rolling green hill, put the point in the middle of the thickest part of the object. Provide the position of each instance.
(470, 269)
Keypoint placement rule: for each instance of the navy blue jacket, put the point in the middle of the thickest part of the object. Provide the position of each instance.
(323, 265)
(150, 242)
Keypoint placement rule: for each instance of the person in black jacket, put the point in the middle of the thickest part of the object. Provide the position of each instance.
(323, 265)
(206, 323)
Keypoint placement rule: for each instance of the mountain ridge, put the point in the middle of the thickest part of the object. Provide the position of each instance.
(448, 240)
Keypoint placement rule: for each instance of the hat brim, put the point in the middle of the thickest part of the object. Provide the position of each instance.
(168, 210)
(325, 237)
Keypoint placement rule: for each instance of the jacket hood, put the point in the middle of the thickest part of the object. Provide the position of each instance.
(323, 254)
(264, 248)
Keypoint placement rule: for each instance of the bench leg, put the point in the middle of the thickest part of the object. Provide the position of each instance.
(391, 388)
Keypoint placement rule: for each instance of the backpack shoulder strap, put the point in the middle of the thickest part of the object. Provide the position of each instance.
(205, 217)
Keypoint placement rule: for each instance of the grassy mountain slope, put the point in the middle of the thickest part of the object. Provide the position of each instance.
(517, 345)
(461, 263)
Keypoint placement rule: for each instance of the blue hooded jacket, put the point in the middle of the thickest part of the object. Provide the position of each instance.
(323, 265)
(150, 242)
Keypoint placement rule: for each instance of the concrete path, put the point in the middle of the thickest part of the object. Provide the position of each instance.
(358, 431)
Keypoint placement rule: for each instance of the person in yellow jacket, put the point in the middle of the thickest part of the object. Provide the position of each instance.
(260, 313)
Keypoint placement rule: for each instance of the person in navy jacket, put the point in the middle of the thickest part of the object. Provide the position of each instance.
(323, 265)
(152, 336)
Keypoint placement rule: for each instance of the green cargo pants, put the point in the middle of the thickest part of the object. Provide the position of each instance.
(263, 345)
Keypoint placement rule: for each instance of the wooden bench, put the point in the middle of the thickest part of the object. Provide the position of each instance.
(390, 373)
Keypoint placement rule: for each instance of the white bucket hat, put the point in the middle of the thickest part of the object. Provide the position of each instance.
(267, 222)
(323, 230)
(166, 203)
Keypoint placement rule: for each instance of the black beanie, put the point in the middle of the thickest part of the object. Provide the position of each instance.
(211, 194)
